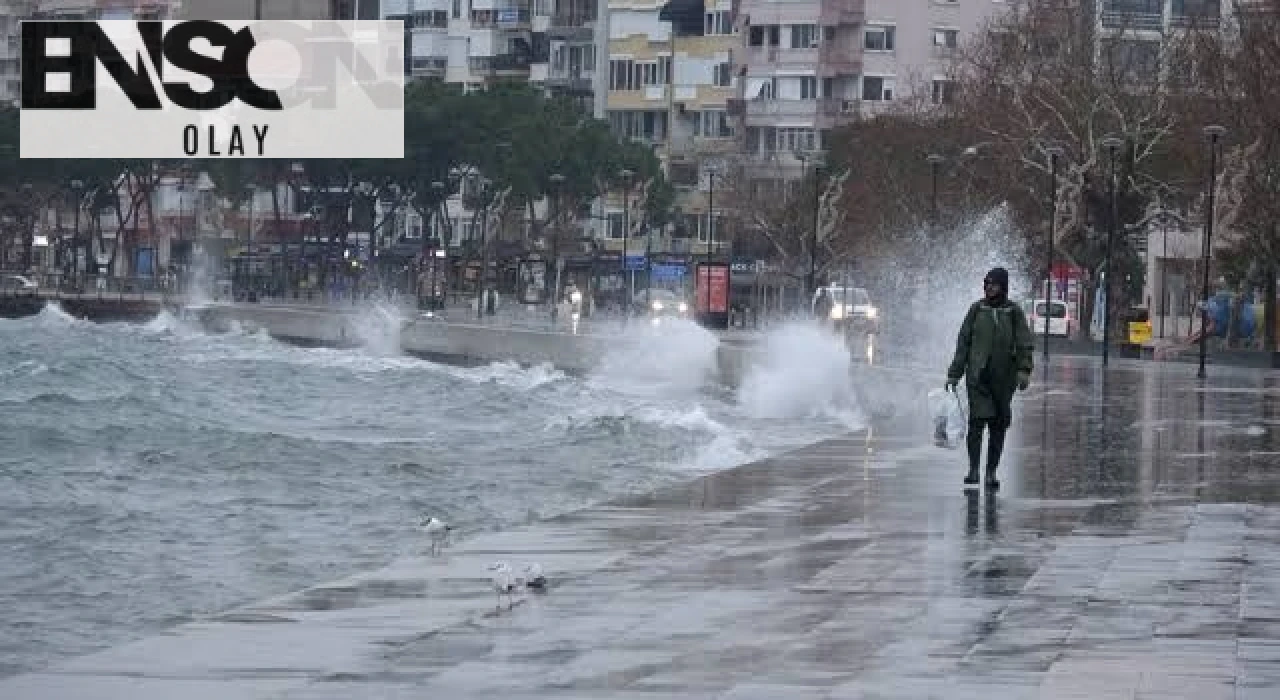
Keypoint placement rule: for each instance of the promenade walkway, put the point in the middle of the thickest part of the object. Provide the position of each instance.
(1134, 552)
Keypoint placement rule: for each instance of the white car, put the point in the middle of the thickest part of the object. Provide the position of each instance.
(1059, 317)
(851, 307)
(19, 286)
(661, 303)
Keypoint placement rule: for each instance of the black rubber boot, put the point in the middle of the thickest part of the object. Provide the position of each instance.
(995, 448)
(940, 432)
(974, 442)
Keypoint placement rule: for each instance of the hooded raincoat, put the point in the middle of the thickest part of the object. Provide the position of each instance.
(994, 348)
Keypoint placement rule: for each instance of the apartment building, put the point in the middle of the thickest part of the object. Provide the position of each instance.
(271, 9)
(808, 67)
(551, 43)
(674, 96)
(11, 14)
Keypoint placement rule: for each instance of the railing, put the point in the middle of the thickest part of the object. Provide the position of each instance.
(500, 18)
(493, 64)
(55, 287)
(793, 108)
(573, 20)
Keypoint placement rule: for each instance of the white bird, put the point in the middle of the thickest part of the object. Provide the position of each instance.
(533, 577)
(438, 530)
(504, 582)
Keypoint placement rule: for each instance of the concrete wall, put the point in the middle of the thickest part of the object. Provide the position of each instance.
(884, 392)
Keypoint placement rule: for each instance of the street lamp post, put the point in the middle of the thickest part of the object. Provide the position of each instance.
(1054, 155)
(482, 287)
(77, 187)
(711, 234)
(1112, 144)
(935, 162)
(625, 176)
(557, 184)
(1214, 133)
(814, 157)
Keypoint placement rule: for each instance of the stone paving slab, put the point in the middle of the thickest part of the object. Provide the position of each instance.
(853, 569)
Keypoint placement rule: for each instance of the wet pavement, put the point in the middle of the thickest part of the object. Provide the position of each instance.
(1134, 552)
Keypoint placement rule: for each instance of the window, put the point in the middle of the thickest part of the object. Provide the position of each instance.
(621, 74)
(879, 39)
(457, 9)
(713, 124)
(644, 125)
(719, 23)
(809, 88)
(647, 73)
(944, 92)
(616, 224)
(946, 38)
(796, 140)
(433, 19)
(877, 89)
(722, 75)
(756, 36)
(828, 87)
(804, 36)
(664, 68)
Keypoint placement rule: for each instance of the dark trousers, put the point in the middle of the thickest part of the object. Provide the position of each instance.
(995, 445)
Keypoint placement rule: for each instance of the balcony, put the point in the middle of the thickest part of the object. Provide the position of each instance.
(1196, 13)
(1134, 15)
(502, 18)
(578, 23)
(429, 66)
(826, 12)
(574, 81)
(826, 60)
(500, 65)
(820, 112)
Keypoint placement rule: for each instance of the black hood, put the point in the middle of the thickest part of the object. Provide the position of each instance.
(1000, 277)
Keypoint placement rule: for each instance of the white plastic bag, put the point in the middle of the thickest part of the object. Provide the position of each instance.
(948, 413)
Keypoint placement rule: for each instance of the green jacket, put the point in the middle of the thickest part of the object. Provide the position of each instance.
(994, 347)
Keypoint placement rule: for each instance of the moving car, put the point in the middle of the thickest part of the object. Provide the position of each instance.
(18, 286)
(661, 303)
(851, 308)
(1059, 314)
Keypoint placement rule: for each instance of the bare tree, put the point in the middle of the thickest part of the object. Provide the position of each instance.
(1042, 77)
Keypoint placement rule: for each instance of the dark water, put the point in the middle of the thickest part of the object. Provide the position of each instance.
(151, 473)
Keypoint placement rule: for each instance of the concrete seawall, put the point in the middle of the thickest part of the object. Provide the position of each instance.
(461, 343)
(884, 391)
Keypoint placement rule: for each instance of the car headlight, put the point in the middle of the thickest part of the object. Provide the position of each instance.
(837, 313)
(576, 297)
(683, 307)
(657, 306)
(866, 310)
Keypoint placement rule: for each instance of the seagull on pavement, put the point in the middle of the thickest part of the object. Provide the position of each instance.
(533, 577)
(438, 530)
(505, 583)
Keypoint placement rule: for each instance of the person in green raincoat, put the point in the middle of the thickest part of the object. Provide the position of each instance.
(994, 356)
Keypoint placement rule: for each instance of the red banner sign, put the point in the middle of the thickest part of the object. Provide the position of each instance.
(712, 289)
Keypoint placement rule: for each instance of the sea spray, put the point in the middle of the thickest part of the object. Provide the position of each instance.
(802, 372)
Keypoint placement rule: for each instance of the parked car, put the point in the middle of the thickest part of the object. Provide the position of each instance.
(1060, 321)
(19, 286)
(851, 308)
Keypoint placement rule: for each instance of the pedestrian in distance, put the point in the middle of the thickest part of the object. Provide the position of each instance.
(822, 306)
(994, 356)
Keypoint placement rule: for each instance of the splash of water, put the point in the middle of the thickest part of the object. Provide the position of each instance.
(802, 373)
(377, 326)
(931, 287)
(674, 356)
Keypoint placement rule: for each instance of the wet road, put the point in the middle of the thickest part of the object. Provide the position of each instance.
(1134, 552)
